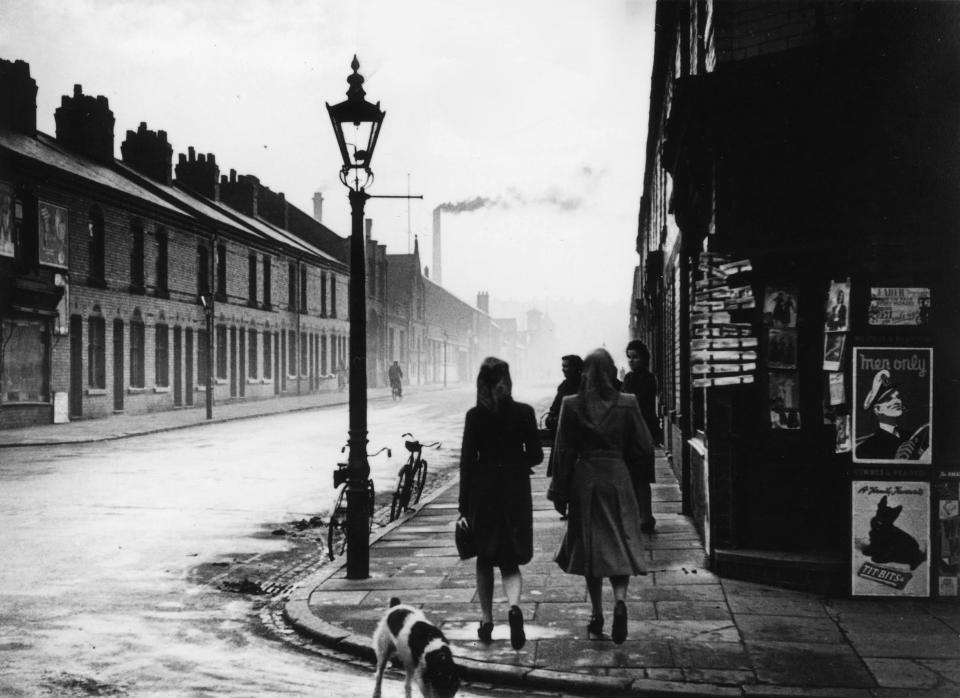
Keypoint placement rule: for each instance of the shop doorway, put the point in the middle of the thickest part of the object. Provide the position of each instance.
(76, 366)
(118, 365)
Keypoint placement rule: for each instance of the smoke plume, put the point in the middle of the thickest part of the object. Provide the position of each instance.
(553, 198)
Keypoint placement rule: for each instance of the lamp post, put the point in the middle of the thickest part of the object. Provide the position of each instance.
(356, 123)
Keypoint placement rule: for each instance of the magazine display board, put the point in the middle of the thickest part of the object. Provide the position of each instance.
(723, 347)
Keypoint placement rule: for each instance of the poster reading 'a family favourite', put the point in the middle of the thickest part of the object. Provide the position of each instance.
(891, 539)
(892, 405)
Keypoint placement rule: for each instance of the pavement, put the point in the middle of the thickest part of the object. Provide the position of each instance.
(691, 632)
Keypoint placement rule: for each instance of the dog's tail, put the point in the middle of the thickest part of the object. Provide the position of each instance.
(394, 601)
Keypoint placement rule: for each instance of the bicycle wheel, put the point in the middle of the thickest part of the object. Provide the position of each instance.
(421, 481)
(337, 528)
(401, 495)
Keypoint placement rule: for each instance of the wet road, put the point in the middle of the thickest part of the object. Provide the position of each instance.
(106, 546)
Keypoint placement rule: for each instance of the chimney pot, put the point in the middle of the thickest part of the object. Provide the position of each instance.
(143, 126)
(193, 154)
(77, 90)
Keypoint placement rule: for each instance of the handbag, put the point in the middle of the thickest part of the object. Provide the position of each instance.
(466, 543)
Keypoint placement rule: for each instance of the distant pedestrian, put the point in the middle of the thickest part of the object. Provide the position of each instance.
(601, 438)
(572, 367)
(642, 384)
(395, 374)
(500, 445)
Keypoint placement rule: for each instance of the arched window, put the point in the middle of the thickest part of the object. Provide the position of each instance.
(96, 350)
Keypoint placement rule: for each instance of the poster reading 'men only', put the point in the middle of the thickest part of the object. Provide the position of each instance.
(891, 538)
(892, 405)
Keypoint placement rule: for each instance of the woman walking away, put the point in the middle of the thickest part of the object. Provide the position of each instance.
(601, 438)
(500, 444)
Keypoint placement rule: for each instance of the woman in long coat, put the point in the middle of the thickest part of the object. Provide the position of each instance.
(500, 444)
(601, 438)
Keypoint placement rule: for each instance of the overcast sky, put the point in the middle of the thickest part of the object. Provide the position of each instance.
(538, 106)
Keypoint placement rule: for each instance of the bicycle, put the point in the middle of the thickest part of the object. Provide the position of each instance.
(411, 478)
(337, 528)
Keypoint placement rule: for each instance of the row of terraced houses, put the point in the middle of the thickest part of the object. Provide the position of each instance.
(124, 284)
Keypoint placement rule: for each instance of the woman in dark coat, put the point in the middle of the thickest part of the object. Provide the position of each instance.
(500, 444)
(601, 439)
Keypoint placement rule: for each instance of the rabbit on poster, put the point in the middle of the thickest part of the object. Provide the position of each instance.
(888, 543)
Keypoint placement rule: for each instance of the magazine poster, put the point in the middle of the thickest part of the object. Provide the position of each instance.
(836, 310)
(843, 433)
(784, 400)
(53, 235)
(833, 346)
(838, 393)
(780, 307)
(892, 405)
(899, 306)
(782, 348)
(948, 569)
(6, 220)
(891, 535)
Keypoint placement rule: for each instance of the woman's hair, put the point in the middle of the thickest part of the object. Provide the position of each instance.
(599, 372)
(641, 349)
(493, 383)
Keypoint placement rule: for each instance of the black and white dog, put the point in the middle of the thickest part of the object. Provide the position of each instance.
(422, 649)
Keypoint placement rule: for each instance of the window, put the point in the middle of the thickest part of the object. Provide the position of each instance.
(162, 279)
(136, 257)
(222, 352)
(292, 286)
(221, 272)
(96, 247)
(252, 353)
(303, 289)
(267, 295)
(203, 270)
(203, 354)
(97, 352)
(136, 350)
(323, 294)
(22, 374)
(162, 359)
(267, 355)
(333, 295)
(252, 278)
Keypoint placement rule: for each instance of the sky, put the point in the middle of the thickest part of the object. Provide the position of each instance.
(524, 120)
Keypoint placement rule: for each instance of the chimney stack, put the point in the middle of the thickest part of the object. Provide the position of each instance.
(483, 302)
(369, 227)
(149, 153)
(318, 206)
(199, 174)
(85, 125)
(18, 107)
(241, 193)
(437, 273)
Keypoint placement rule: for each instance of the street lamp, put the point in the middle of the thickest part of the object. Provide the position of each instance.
(356, 123)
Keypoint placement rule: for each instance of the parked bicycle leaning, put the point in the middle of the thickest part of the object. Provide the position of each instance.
(411, 477)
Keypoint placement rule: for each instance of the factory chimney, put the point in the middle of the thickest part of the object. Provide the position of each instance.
(437, 276)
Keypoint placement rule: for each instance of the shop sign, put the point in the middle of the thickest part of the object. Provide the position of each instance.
(892, 405)
(899, 306)
(53, 235)
(6, 220)
(891, 538)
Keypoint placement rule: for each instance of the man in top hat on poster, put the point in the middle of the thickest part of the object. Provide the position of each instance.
(887, 443)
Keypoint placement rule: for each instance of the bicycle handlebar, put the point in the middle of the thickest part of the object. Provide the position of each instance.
(370, 455)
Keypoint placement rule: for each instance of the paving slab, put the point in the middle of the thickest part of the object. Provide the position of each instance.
(808, 665)
(788, 629)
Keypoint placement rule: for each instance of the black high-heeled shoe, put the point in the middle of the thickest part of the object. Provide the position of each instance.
(595, 628)
(619, 632)
(517, 636)
(485, 632)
